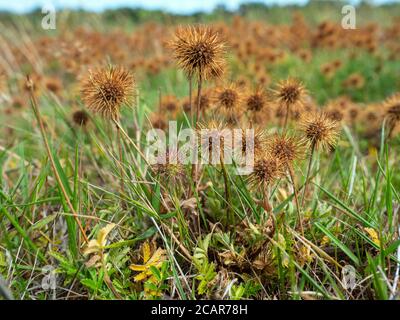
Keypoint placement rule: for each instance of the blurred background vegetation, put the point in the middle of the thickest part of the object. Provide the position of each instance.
(315, 12)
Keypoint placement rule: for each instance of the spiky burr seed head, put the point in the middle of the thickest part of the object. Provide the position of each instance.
(334, 111)
(371, 116)
(199, 51)
(105, 90)
(18, 103)
(54, 85)
(256, 101)
(169, 169)
(258, 143)
(185, 105)
(287, 148)
(391, 108)
(169, 104)
(80, 118)
(290, 93)
(228, 98)
(158, 121)
(267, 169)
(354, 81)
(320, 131)
(205, 100)
(215, 137)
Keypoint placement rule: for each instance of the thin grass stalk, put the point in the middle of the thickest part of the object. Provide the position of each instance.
(106, 277)
(193, 171)
(296, 197)
(199, 89)
(159, 100)
(190, 100)
(195, 165)
(53, 165)
(131, 141)
(121, 168)
(286, 117)
(308, 173)
(230, 212)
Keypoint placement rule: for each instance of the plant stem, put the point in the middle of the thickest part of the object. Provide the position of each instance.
(131, 141)
(308, 173)
(53, 165)
(193, 171)
(199, 87)
(286, 118)
(266, 203)
(121, 169)
(106, 277)
(190, 100)
(195, 166)
(231, 216)
(159, 100)
(296, 196)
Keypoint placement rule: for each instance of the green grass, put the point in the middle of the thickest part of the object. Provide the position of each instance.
(353, 190)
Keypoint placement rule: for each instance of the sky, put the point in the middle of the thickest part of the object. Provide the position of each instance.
(176, 6)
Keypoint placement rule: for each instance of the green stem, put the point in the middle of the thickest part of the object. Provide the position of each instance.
(190, 101)
(121, 168)
(296, 196)
(199, 87)
(231, 216)
(308, 173)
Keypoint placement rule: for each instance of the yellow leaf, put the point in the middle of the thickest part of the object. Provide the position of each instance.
(373, 235)
(158, 257)
(12, 164)
(138, 267)
(93, 246)
(140, 276)
(325, 240)
(103, 233)
(97, 245)
(373, 152)
(146, 252)
(282, 194)
(305, 255)
(149, 260)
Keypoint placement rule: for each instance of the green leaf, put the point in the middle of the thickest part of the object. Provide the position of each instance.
(155, 272)
(155, 201)
(43, 222)
(23, 233)
(345, 207)
(338, 243)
